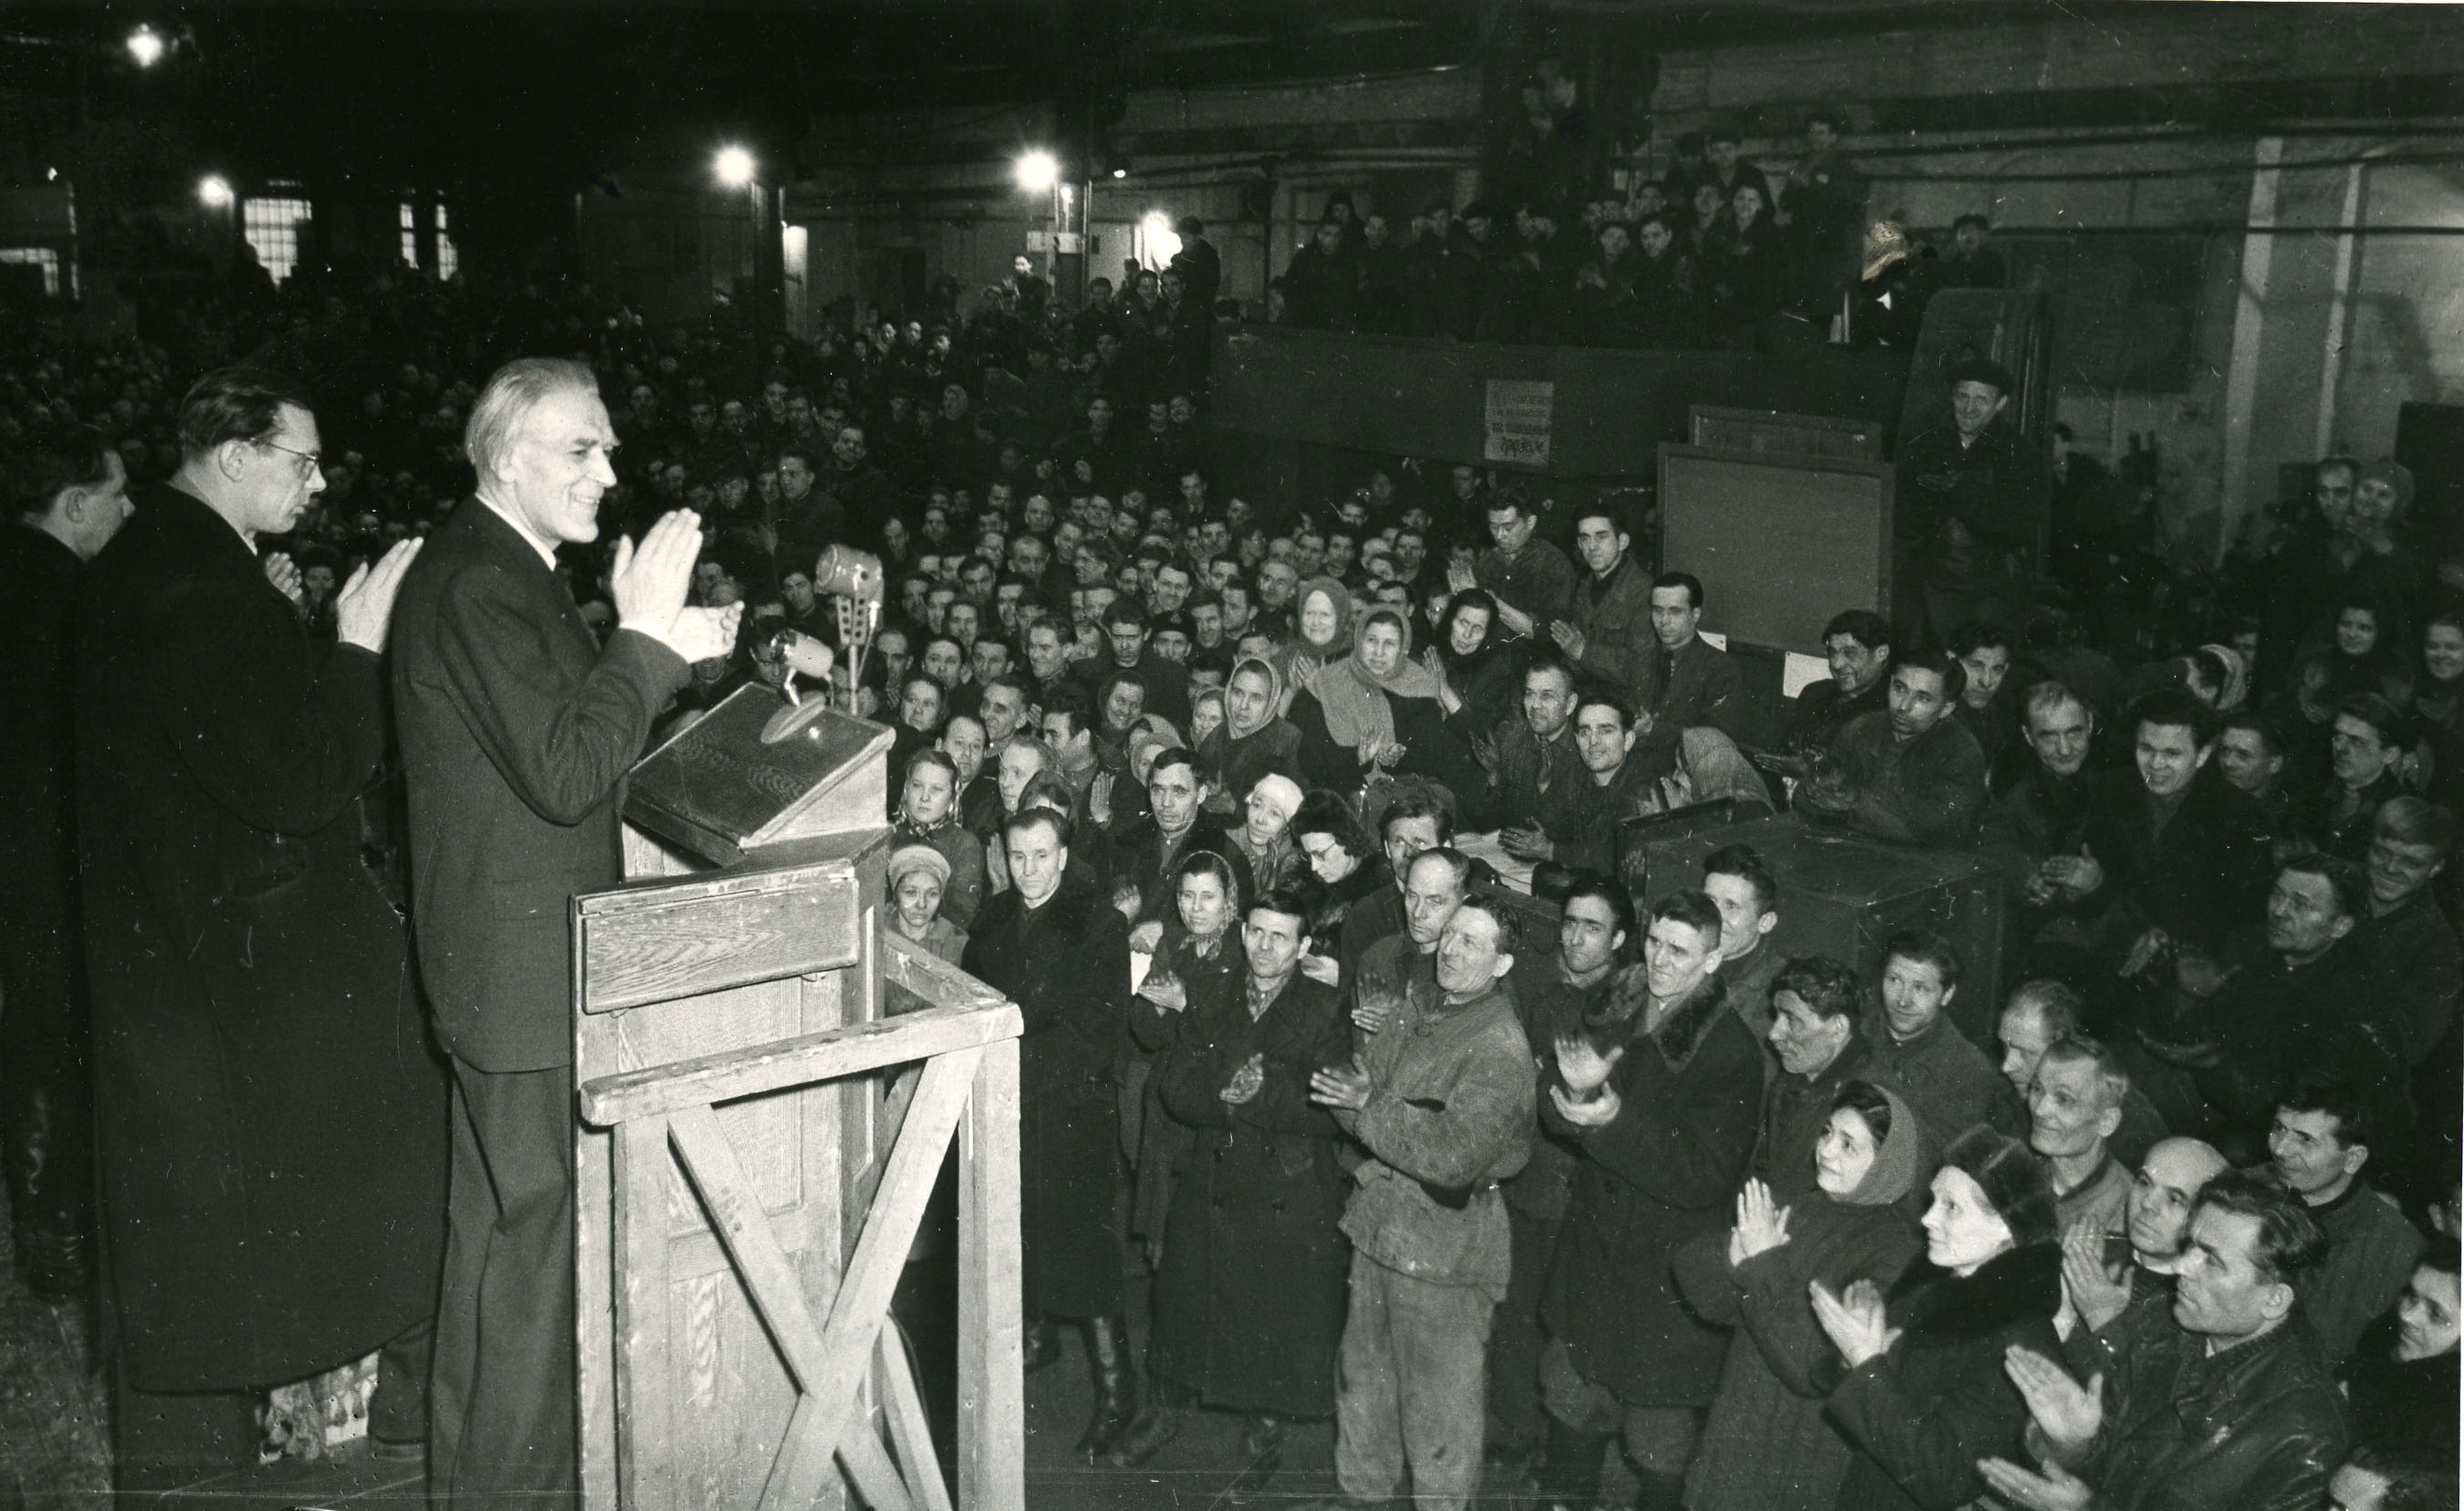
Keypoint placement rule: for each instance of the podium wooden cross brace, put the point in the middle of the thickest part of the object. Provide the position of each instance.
(665, 1117)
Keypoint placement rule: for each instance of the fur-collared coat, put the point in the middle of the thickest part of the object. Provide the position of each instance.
(1664, 1172)
(1923, 1413)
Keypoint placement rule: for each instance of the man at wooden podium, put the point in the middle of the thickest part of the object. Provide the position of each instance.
(518, 730)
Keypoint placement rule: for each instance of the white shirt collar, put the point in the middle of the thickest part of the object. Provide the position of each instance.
(546, 548)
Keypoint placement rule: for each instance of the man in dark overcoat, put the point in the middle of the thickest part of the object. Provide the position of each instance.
(518, 729)
(1250, 1296)
(67, 496)
(270, 1115)
(1061, 952)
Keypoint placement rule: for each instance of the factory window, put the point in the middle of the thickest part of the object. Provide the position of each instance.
(272, 226)
(43, 257)
(446, 259)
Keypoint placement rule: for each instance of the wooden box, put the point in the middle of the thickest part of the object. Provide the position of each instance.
(1781, 543)
(1843, 895)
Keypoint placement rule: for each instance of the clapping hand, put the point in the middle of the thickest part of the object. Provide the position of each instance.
(1570, 639)
(363, 609)
(1324, 968)
(1165, 990)
(2057, 1489)
(1372, 1009)
(1459, 578)
(1855, 1320)
(2097, 1291)
(1146, 937)
(1346, 1088)
(284, 574)
(1246, 1081)
(1583, 1068)
(2067, 1412)
(1761, 1225)
(1514, 618)
(648, 582)
(1526, 842)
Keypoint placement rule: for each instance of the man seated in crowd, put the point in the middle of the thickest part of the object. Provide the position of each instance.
(2323, 1137)
(1578, 823)
(2177, 859)
(1536, 752)
(2223, 1403)
(1442, 1104)
(2041, 1014)
(2408, 943)
(1735, 878)
(2038, 813)
(2294, 997)
(1948, 1080)
(1176, 825)
(2108, 1297)
(1611, 631)
(1857, 645)
(1684, 682)
(1167, 681)
(1530, 578)
(1411, 825)
(2074, 1109)
(1434, 884)
(1913, 774)
(1820, 1048)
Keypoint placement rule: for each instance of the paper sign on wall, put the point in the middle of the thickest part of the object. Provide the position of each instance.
(1518, 416)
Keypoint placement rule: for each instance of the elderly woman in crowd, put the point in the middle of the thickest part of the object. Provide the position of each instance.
(918, 879)
(1323, 618)
(1377, 713)
(1255, 741)
(1921, 1393)
(1766, 1446)
(1265, 837)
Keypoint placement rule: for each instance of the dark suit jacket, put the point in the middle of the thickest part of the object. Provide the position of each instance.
(517, 729)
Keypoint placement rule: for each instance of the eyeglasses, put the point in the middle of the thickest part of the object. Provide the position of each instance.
(315, 460)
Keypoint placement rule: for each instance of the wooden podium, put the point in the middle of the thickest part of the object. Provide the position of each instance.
(768, 1082)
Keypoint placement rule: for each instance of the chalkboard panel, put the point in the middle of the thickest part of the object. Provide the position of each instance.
(1781, 543)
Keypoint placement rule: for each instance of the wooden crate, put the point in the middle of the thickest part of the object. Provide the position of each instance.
(1843, 895)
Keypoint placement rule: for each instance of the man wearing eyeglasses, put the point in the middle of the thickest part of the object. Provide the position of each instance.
(269, 1114)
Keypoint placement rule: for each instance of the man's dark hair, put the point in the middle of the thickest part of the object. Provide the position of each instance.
(1693, 908)
(1120, 678)
(2385, 720)
(1611, 699)
(1745, 863)
(1458, 864)
(1823, 984)
(1189, 226)
(1953, 675)
(2175, 709)
(1125, 611)
(1028, 818)
(1978, 634)
(2270, 735)
(1069, 700)
(1417, 805)
(2350, 883)
(1509, 936)
(1692, 584)
(939, 638)
(1925, 947)
(236, 403)
(1508, 499)
(1551, 661)
(42, 467)
(1981, 369)
(1302, 898)
(1970, 218)
(1587, 512)
(1865, 627)
(2361, 1114)
(2290, 1242)
(1598, 887)
(1176, 755)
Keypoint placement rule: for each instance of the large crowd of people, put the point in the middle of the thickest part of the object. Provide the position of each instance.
(1204, 783)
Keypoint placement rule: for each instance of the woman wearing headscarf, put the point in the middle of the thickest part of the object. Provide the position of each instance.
(1480, 685)
(1376, 712)
(1323, 619)
(1766, 1446)
(1920, 1392)
(918, 876)
(1255, 741)
(1264, 838)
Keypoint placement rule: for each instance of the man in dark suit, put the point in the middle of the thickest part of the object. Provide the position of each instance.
(518, 730)
(67, 496)
(269, 1115)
